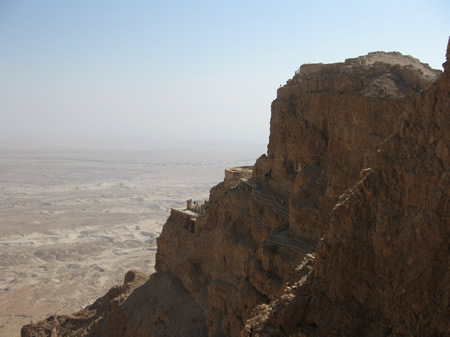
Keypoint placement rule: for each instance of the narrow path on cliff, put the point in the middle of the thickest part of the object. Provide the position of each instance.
(261, 196)
(280, 236)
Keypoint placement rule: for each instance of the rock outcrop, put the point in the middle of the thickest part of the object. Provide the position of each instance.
(382, 267)
(357, 165)
(327, 123)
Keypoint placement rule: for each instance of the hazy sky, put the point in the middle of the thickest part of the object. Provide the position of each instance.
(85, 71)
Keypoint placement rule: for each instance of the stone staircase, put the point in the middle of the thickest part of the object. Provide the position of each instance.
(280, 236)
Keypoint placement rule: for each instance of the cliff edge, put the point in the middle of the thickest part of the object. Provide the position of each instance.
(342, 229)
(382, 267)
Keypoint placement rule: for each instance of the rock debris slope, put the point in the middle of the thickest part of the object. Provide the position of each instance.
(357, 166)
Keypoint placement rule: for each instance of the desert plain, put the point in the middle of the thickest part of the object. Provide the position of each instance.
(73, 221)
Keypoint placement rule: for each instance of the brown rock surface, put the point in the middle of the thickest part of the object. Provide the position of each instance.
(142, 306)
(381, 268)
(327, 123)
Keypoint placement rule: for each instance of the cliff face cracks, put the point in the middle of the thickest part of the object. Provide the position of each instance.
(342, 229)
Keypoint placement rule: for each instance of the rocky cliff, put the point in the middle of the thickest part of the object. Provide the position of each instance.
(341, 230)
(326, 124)
(381, 268)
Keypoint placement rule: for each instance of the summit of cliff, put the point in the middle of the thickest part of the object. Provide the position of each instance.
(327, 123)
(342, 228)
(380, 74)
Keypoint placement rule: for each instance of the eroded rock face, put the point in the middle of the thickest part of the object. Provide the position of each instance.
(226, 263)
(387, 254)
(380, 268)
(327, 123)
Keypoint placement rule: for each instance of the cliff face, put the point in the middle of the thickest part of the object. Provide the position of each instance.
(245, 263)
(387, 247)
(382, 267)
(326, 124)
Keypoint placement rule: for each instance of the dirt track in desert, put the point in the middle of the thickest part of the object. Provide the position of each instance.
(72, 222)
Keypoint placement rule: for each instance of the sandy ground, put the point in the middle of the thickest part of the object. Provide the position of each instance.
(73, 222)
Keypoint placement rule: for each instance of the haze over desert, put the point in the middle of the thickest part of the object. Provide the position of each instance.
(74, 221)
(224, 168)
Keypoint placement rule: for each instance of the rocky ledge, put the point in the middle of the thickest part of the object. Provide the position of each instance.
(342, 229)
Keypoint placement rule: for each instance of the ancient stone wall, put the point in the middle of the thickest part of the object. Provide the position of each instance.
(233, 175)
